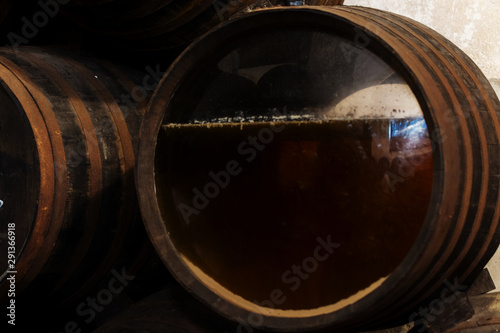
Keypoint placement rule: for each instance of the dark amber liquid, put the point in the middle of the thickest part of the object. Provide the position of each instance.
(365, 186)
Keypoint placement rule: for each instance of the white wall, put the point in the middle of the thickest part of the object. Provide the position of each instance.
(474, 26)
(494, 264)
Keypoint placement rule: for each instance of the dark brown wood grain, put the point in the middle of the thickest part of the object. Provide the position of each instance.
(482, 284)
(73, 157)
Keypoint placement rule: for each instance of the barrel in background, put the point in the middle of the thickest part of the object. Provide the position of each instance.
(153, 25)
(157, 27)
(70, 131)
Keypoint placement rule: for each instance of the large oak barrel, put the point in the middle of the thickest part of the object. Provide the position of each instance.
(321, 168)
(69, 131)
(154, 26)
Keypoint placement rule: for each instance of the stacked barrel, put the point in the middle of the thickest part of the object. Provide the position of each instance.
(297, 168)
(312, 168)
(69, 141)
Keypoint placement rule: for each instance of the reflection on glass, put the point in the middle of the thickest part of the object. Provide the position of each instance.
(289, 142)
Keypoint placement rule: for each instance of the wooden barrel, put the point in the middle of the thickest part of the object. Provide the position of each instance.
(306, 168)
(154, 25)
(138, 17)
(69, 132)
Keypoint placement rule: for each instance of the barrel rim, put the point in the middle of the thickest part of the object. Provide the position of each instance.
(52, 188)
(38, 131)
(445, 155)
(154, 117)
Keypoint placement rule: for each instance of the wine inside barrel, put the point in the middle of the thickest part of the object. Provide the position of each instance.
(349, 212)
(252, 201)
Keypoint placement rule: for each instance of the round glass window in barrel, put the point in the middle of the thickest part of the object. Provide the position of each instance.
(293, 159)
